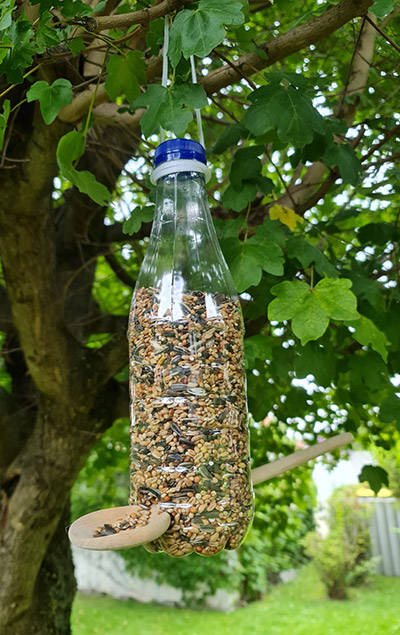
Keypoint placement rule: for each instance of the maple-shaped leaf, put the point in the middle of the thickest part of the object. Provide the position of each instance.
(199, 31)
(125, 74)
(311, 310)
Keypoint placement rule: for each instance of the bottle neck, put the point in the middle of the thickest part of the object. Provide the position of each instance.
(181, 199)
(183, 251)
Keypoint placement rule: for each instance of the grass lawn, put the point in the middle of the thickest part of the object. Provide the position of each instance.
(296, 608)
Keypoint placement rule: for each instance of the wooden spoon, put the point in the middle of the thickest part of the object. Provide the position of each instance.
(265, 472)
(81, 531)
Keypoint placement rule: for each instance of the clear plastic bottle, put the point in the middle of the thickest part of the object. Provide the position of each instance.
(189, 434)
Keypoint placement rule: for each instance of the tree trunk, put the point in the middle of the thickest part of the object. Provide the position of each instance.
(54, 590)
(37, 578)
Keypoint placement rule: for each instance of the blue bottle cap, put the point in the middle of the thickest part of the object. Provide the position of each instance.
(179, 149)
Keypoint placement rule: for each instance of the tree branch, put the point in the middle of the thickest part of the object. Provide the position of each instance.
(103, 363)
(288, 43)
(357, 79)
(114, 234)
(26, 235)
(388, 135)
(120, 271)
(387, 38)
(144, 16)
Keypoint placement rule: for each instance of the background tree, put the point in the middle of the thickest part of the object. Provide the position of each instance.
(307, 212)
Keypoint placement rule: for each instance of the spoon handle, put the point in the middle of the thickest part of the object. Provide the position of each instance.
(265, 472)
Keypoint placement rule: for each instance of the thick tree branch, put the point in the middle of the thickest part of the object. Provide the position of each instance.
(26, 235)
(104, 323)
(103, 363)
(288, 43)
(120, 271)
(144, 16)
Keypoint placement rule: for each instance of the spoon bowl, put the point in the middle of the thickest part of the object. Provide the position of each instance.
(81, 531)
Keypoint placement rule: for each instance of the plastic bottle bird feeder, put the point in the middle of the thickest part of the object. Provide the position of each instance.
(191, 487)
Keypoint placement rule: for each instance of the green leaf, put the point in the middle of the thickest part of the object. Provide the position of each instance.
(76, 45)
(310, 309)
(313, 359)
(70, 148)
(271, 255)
(244, 263)
(191, 95)
(138, 216)
(72, 8)
(288, 110)
(154, 35)
(125, 74)
(306, 253)
(3, 121)
(246, 165)
(376, 476)
(375, 233)
(239, 200)
(346, 159)
(382, 7)
(365, 287)
(20, 55)
(367, 333)
(273, 230)
(6, 46)
(6, 14)
(199, 31)
(229, 228)
(230, 136)
(46, 36)
(390, 410)
(51, 98)
(166, 107)
(337, 299)
(247, 260)
(154, 98)
(256, 347)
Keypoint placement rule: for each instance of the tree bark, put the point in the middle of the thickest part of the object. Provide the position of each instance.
(63, 393)
(54, 590)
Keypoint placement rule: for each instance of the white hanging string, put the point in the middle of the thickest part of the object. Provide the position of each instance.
(197, 110)
(164, 80)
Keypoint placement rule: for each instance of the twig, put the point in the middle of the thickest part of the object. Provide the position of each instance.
(387, 38)
(281, 178)
(120, 271)
(235, 68)
(376, 146)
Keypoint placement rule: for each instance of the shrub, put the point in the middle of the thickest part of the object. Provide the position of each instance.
(343, 558)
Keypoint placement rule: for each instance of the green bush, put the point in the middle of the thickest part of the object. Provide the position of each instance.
(343, 558)
(283, 515)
